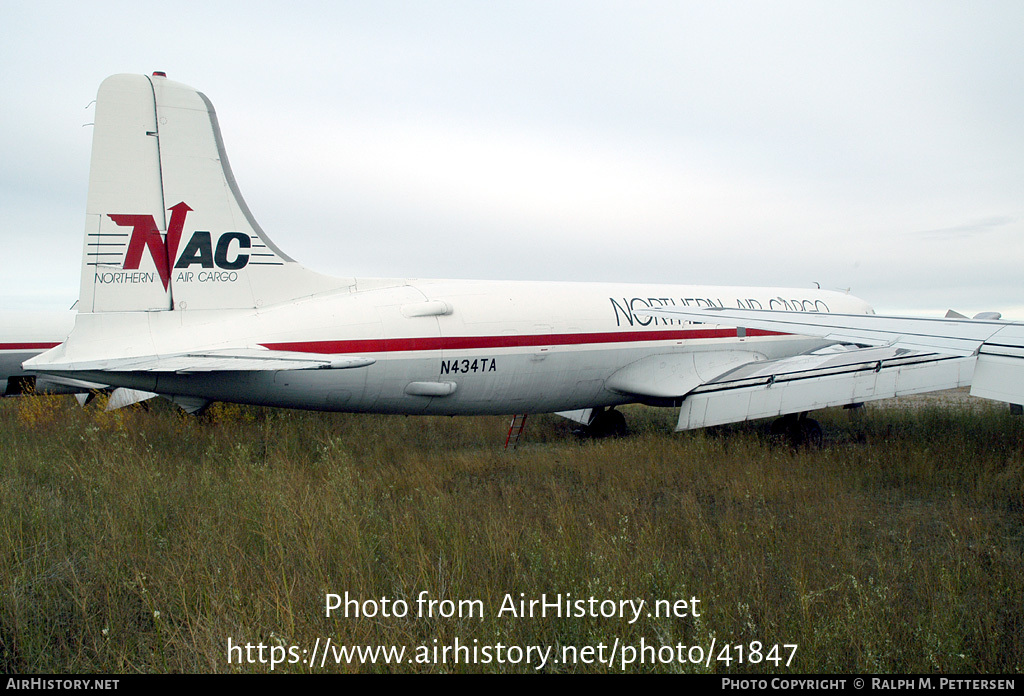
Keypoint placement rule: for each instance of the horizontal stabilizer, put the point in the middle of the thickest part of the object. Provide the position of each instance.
(222, 360)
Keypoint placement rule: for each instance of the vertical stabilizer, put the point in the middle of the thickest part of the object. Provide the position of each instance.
(166, 226)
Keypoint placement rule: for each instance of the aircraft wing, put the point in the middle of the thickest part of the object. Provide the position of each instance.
(219, 360)
(950, 336)
(820, 380)
(715, 388)
(997, 346)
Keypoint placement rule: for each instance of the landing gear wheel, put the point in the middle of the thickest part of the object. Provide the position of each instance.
(610, 423)
(798, 431)
(811, 434)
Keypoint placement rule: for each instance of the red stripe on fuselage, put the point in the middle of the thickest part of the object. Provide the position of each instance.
(388, 345)
(28, 346)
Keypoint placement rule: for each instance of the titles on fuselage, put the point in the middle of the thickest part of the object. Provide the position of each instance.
(624, 307)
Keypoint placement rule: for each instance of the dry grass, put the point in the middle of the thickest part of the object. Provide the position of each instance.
(141, 540)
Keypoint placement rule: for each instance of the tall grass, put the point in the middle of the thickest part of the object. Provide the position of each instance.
(141, 540)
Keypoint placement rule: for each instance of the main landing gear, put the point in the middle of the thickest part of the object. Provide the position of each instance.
(797, 430)
(604, 423)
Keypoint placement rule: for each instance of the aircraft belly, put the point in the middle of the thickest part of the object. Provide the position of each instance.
(257, 388)
(329, 390)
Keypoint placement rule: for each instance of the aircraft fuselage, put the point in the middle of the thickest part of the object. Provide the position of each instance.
(450, 347)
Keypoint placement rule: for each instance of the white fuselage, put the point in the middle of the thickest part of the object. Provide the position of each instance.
(443, 347)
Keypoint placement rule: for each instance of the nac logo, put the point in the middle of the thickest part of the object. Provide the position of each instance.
(228, 254)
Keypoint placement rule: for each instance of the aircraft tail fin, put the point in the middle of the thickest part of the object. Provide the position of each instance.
(166, 226)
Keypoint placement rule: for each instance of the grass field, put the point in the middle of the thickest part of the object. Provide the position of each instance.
(143, 540)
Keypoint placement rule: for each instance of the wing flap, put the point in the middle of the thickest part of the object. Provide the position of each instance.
(810, 382)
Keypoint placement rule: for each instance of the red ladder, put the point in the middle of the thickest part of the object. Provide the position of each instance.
(515, 429)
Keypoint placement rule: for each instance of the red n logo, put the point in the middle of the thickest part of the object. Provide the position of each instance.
(146, 235)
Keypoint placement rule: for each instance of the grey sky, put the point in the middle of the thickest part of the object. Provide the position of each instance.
(871, 146)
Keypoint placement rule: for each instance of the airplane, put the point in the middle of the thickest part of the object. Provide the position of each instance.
(997, 347)
(183, 294)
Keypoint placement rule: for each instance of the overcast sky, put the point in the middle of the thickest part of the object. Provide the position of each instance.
(875, 146)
